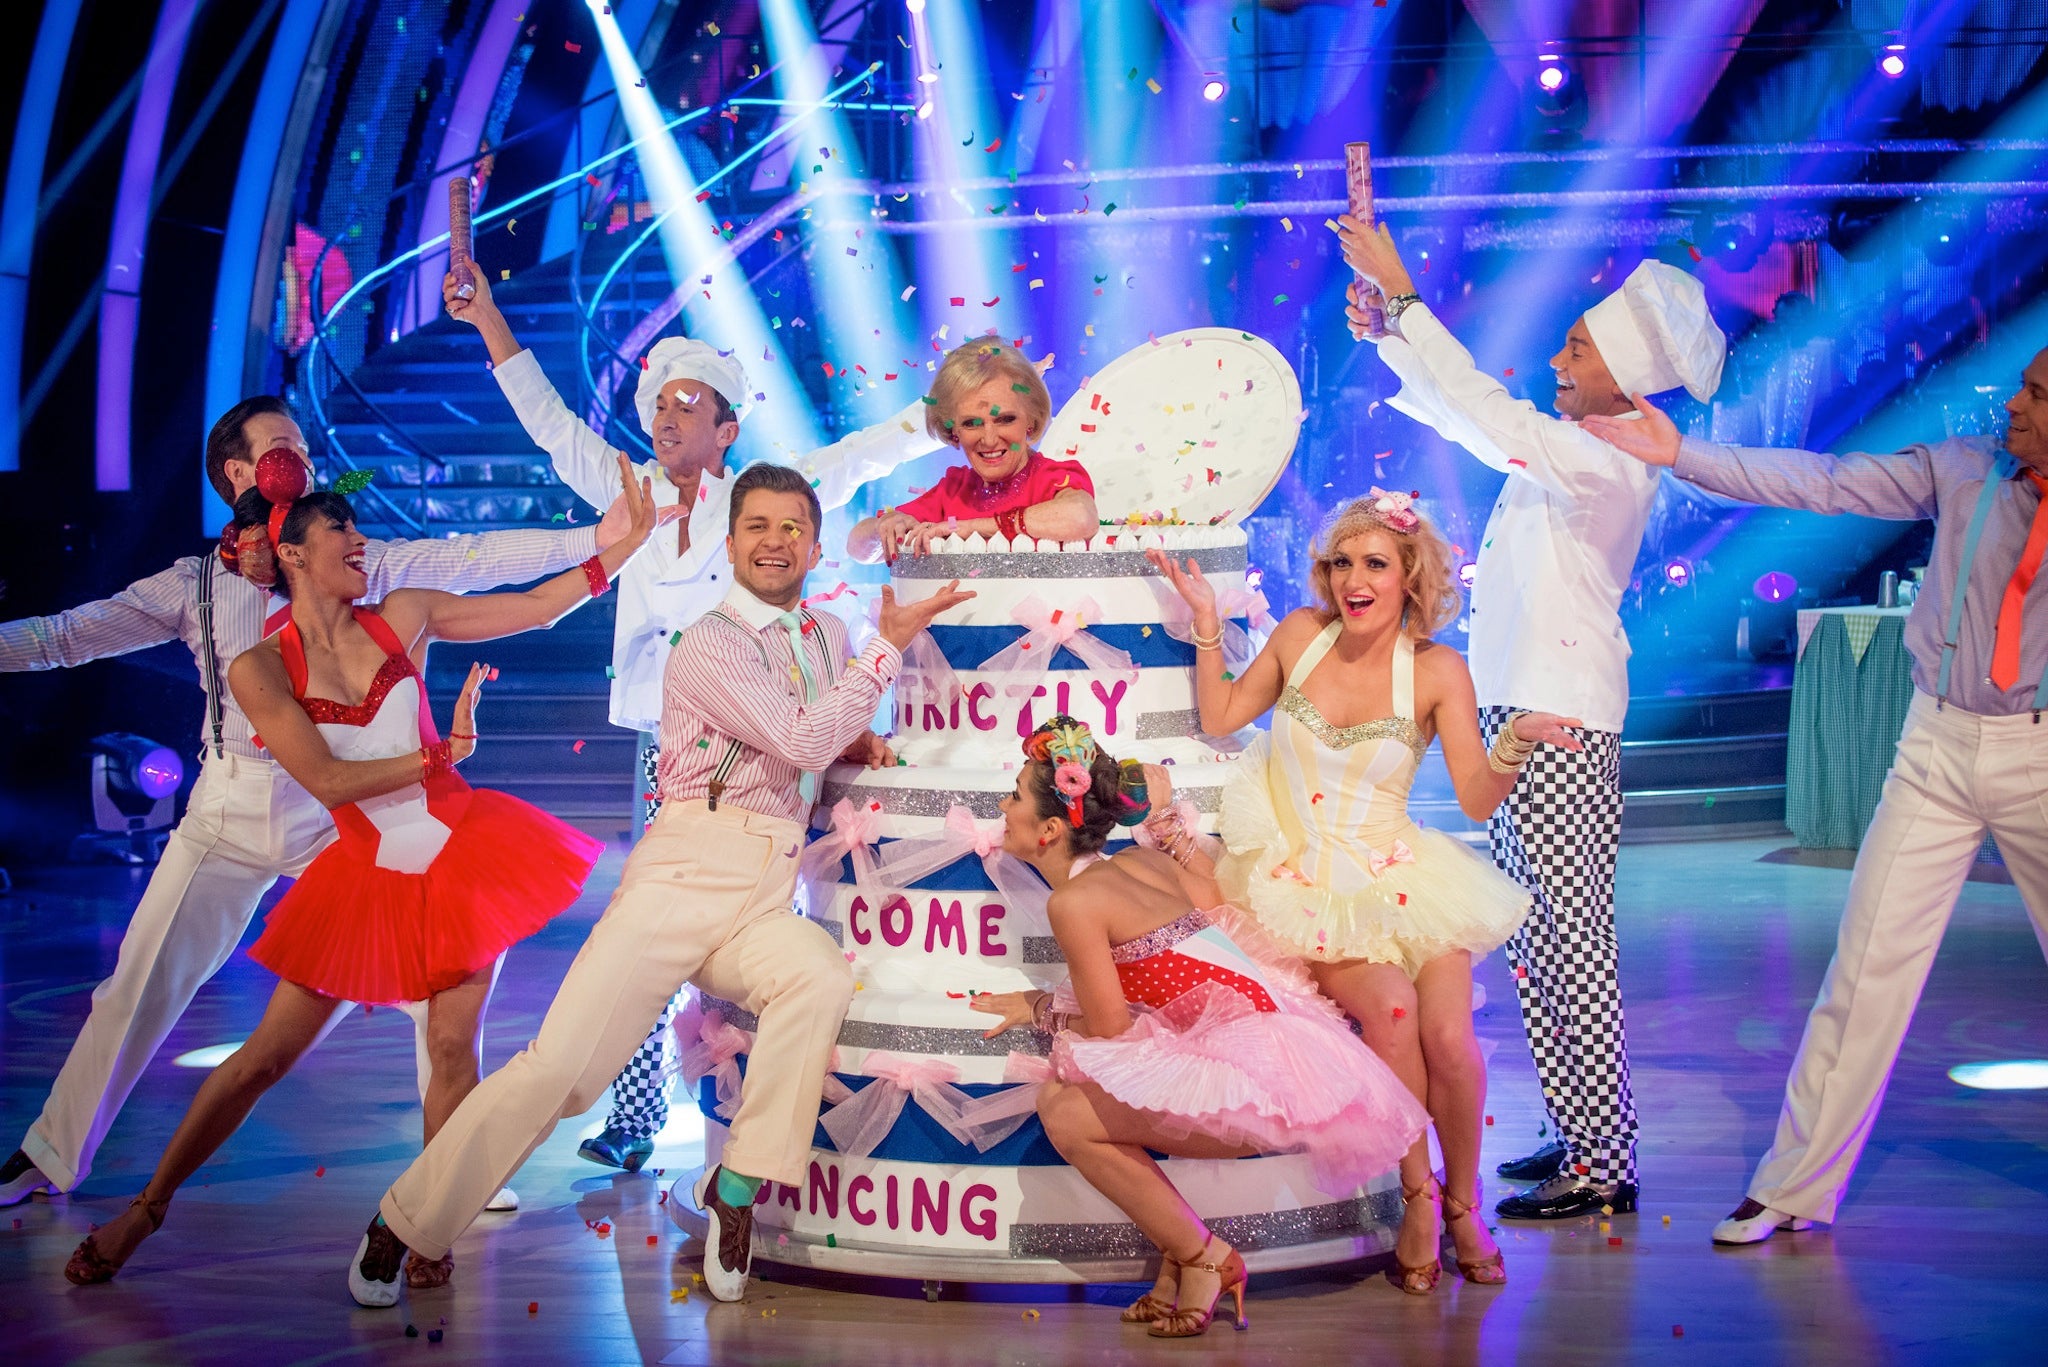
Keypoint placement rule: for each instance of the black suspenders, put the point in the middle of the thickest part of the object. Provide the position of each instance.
(215, 710)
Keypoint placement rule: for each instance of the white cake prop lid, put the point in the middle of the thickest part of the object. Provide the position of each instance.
(1194, 426)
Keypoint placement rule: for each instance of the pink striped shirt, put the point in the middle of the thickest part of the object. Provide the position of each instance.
(726, 683)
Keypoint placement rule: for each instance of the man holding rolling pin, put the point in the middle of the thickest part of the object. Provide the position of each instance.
(1546, 635)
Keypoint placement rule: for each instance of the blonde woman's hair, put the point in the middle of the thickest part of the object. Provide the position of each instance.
(968, 367)
(1429, 589)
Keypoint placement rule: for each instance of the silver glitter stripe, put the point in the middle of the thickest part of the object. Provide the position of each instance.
(1169, 725)
(908, 1039)
(1042, 949)
(834, 929)
(985, 805)
(1060, 564)
(1361, 1216)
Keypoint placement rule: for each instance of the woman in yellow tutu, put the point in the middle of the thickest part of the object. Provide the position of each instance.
(1320, 848)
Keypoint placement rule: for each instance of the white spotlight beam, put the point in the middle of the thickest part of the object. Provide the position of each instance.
(723, 311)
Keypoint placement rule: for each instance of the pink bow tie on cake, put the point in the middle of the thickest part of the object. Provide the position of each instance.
(906, 861)
(1177, 619)
(1379, 863)
(854, 830)
(862, 1120)
(1047, 630)
(716, 1055)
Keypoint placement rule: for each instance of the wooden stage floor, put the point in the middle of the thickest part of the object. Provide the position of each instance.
(1941, 1255)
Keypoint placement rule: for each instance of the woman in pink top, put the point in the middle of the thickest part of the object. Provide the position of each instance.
(988, 401)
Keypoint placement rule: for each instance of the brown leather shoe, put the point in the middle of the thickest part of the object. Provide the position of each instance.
(729, 1243)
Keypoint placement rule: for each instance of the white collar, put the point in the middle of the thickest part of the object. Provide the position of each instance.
(751, 610)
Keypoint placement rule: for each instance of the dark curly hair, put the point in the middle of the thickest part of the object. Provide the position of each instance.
(1115, 796)
(252, 509)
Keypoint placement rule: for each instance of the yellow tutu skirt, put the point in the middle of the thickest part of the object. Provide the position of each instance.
(1446, 898)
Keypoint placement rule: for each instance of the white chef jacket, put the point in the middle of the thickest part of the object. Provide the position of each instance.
(661, 592)
(1560, 546)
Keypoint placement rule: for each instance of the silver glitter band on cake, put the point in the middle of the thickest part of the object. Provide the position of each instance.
(1170, 725)
(1042, 949)
(1365, 1217)
(1062, 564)
(906, 1039)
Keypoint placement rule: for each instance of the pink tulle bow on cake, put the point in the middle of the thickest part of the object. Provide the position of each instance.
(1380, 863)
(993, 1118)
(854, 830)
(903, 862)
(860, 1123)
(714, 1053)
(1047, 630)
(926, 678)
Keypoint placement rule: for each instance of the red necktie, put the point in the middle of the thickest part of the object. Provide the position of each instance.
(2005, 649)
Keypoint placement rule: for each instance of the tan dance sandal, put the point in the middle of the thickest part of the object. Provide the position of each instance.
(1421, 1278)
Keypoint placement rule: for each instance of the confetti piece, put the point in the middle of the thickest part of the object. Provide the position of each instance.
(578, 746)
(1279, 298)
(1152, 85)
(908, 291)
(650, 1241)
(1400, 1013)
(493, 675)
(678, 1294)
(572, 47)
(1286, 224)
(533, 1307)
(1678, 1331)
(1667, 1219)
(433, 1336)
(1489, 1120)
(991, 303)
(1509, 372)
(320, 1171)
(1614, 1241)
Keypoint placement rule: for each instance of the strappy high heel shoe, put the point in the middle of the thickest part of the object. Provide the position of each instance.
(1184, 1323)
(1418, 1279)
(90, 1267)
(1491, 1271)
(1151, 1306)
(428, 1274)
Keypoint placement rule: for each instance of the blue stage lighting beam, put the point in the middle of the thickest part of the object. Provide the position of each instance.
(952, 93)
(731, 318)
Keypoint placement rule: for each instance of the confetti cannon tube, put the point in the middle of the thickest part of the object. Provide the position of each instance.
(1358, 191)
(459, 239)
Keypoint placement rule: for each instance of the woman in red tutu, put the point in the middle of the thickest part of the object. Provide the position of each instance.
(430, 880)
(1188, 1031)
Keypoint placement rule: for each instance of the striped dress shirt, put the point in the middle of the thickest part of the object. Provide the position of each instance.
(165, 606)
(725, 684)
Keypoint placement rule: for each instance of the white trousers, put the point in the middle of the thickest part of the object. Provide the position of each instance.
(1955, 776)
(248, 823)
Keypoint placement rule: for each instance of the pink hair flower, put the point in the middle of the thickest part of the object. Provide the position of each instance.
(1397, 509)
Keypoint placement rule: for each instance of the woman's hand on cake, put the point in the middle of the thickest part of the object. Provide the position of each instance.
(462, 734)
(1547, 728)
(1015, 1008)
(870, 750)
(896, 530)
(899, 623)
(1192, 586)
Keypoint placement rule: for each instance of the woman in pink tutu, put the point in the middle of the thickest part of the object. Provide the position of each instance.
(1184, 1031)
(988, 401)
(430, 880)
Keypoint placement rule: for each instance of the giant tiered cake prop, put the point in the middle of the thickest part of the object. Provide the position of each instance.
(929, 1161)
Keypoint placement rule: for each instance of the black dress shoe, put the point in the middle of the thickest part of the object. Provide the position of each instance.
(1568, 1196)
(1539, 1166)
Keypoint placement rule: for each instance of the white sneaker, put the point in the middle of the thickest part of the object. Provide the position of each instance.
(728, 1243)
(373, 1272)
(506, 1199)
(21, 1179)
(1752, 1222)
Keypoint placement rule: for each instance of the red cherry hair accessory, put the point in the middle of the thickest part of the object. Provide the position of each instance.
(281, 479)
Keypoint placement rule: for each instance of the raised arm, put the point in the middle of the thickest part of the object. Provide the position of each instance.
(259, 682)
(1227, 705)
(425, 615)
(479, 560)
(146, 613)
(581, 457)
(1899, 486)
(838, 471)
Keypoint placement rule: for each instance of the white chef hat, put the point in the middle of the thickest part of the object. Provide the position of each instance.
(686, 358)
(1655, 333)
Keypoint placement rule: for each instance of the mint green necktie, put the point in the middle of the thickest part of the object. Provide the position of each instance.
(793, 623)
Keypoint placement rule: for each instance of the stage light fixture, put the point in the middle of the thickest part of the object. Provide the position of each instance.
(914, 6)
(134, 787)
(1893, 63)
(1213, 89)
(2008, 1075)
(1552, 77)
(1678, 572)
(1775, 586)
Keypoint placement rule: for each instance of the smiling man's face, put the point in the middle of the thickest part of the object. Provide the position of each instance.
(773, 546)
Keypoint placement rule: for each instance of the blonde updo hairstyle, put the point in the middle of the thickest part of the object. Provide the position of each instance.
(1429, 589)
(968, 367)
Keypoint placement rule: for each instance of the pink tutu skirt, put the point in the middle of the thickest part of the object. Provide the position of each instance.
(1285, 1081)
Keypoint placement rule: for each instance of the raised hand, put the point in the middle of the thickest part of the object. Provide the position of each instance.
(1651, 439)
(899, 623)
(1359, 315)
(462, 734)
(473, 310)
(1015, 1008)
(632, 517)
(1193, 587)
(1370, 252)
(1547, 728)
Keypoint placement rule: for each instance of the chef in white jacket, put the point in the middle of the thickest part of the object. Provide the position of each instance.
(690, 398)
(1546, 635)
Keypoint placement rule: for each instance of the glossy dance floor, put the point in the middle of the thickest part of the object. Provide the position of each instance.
(1941, 1256)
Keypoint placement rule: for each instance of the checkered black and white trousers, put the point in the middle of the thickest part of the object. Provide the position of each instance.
(640, 1092)
(1557, 835)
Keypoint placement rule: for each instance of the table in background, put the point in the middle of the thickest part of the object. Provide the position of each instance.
(1850, 692)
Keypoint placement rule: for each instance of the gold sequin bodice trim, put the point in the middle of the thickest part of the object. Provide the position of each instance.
(1402, 729)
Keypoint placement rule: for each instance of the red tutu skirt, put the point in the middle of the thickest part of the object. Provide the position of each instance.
(352, 930)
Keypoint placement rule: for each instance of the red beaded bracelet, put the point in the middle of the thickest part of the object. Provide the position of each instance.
(437, 758)
(593, 570)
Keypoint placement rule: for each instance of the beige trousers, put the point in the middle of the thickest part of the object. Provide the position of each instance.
(1956, 775)
(705, 899)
